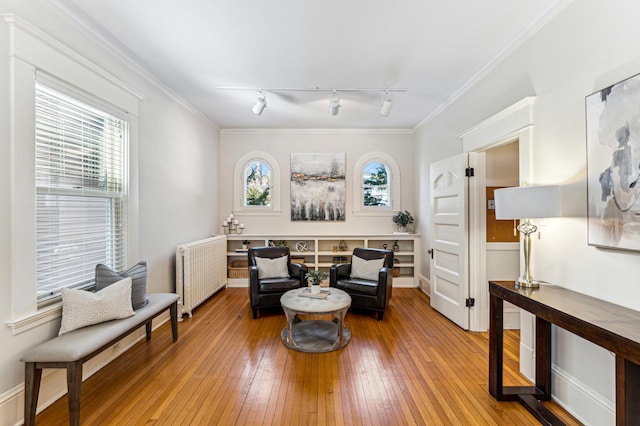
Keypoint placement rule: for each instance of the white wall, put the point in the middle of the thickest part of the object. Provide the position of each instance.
(177, 185)
(583, 49)
(281, 143)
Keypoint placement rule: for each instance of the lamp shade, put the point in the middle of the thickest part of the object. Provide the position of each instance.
(528, 202)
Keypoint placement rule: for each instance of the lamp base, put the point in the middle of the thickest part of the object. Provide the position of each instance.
(525, 283)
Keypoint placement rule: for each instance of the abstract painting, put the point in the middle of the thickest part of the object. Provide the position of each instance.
(613, 165)
(317, 186)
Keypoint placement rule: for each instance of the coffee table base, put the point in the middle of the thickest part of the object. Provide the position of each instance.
(315, 336)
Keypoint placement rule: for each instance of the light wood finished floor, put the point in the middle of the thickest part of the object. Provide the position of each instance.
(415, 367)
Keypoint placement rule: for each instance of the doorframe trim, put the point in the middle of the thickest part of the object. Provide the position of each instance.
(513, 123)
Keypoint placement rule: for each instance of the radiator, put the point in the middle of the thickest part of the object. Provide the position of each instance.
(201, 270)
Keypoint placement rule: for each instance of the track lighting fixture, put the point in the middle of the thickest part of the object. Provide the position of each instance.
(261, 103)
(334, 104)
(387, 103)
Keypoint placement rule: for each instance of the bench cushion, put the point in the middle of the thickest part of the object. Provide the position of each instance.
(77, 344)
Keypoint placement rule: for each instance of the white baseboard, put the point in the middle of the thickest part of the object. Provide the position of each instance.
(54, 381)
(589, 407)
(425, 284)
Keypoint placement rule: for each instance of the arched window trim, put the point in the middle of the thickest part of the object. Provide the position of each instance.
(239, 188)
(359, 209)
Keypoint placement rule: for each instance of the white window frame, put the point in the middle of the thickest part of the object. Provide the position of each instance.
(48, 258)
(35, 55)
(359, 209)
(239, 185)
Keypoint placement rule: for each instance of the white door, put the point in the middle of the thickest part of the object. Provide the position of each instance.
(449, 267)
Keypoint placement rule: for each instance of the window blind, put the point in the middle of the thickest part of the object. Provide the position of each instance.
(81, 202)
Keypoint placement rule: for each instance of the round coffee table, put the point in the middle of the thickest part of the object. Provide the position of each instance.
(315, 335)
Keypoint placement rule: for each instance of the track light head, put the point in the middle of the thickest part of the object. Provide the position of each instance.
(261, 104)
(387, 103)
(334, 104)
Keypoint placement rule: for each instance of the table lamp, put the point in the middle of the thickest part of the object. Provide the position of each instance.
(524, 203)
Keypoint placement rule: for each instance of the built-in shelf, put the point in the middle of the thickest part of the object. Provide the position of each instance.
(323, 251)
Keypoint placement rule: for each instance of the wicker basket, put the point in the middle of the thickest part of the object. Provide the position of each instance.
(238, 269)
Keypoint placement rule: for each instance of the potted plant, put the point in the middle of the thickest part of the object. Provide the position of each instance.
(315, 278)
(245, 244)
(402, 219)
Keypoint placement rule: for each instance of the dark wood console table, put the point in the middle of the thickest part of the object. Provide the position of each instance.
(610, 326)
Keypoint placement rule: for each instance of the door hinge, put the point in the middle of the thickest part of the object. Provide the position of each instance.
(469, 172)
(470, 302)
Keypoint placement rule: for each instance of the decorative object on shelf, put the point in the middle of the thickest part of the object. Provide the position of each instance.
(342, 245)
(339, 259)
(396, 269)
(613, 189)
(277, 243)
(318, 187)
(301, 246)
(528, 202)
(232, 226)
(402, 219)
(396, 247)
(245, 244)
(384, 246)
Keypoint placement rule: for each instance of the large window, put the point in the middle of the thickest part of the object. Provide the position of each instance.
(375, 184)
(257, 189)
(81, 191)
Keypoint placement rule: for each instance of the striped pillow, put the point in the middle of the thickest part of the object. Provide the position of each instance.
(106, 276)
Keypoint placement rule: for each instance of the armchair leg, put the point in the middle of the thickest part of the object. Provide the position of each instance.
(380, 314)
(255, 313)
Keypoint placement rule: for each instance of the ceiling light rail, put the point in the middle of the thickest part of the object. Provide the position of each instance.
(334, 103)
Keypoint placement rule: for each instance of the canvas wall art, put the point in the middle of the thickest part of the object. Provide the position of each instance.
(317, 186)
(613, 165)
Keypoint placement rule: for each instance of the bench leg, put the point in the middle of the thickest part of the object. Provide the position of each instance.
(74, 387)
(32, 376)
(173, 311)
(147, 327)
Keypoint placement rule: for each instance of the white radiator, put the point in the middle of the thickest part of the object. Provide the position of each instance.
(201, 270)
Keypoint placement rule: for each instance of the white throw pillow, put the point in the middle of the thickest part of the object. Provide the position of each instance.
(366, 269)
(272, 268)
(81, 308)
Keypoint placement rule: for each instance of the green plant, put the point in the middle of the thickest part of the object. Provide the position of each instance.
(278, 243)
(245, 242)
(402, 218)
(316, 277)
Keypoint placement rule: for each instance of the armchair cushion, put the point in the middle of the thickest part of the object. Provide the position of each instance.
(366, 269)
(272, 268)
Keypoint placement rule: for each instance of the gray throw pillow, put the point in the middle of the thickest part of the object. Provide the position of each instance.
(106, 276)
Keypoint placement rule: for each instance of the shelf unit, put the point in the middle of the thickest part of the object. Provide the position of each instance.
(323, 251)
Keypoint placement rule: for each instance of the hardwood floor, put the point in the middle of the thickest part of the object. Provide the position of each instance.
(415, 367)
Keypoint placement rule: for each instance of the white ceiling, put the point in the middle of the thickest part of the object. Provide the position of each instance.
(433, 48)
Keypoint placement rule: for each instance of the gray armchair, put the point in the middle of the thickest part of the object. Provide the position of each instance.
(372, 292)
(277, 277)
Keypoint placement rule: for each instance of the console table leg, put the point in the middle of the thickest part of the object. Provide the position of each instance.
(627, 392)
(543, 357)
(496, 339)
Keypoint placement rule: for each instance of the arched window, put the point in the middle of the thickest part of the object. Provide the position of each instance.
(375, 184)
(257, 184)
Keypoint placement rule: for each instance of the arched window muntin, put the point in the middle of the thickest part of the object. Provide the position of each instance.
(376, 184)
(257, 184)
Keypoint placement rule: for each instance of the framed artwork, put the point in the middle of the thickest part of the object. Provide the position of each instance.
(613, 165)
(317, 187)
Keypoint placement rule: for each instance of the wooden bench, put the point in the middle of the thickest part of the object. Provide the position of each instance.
(72, 349)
